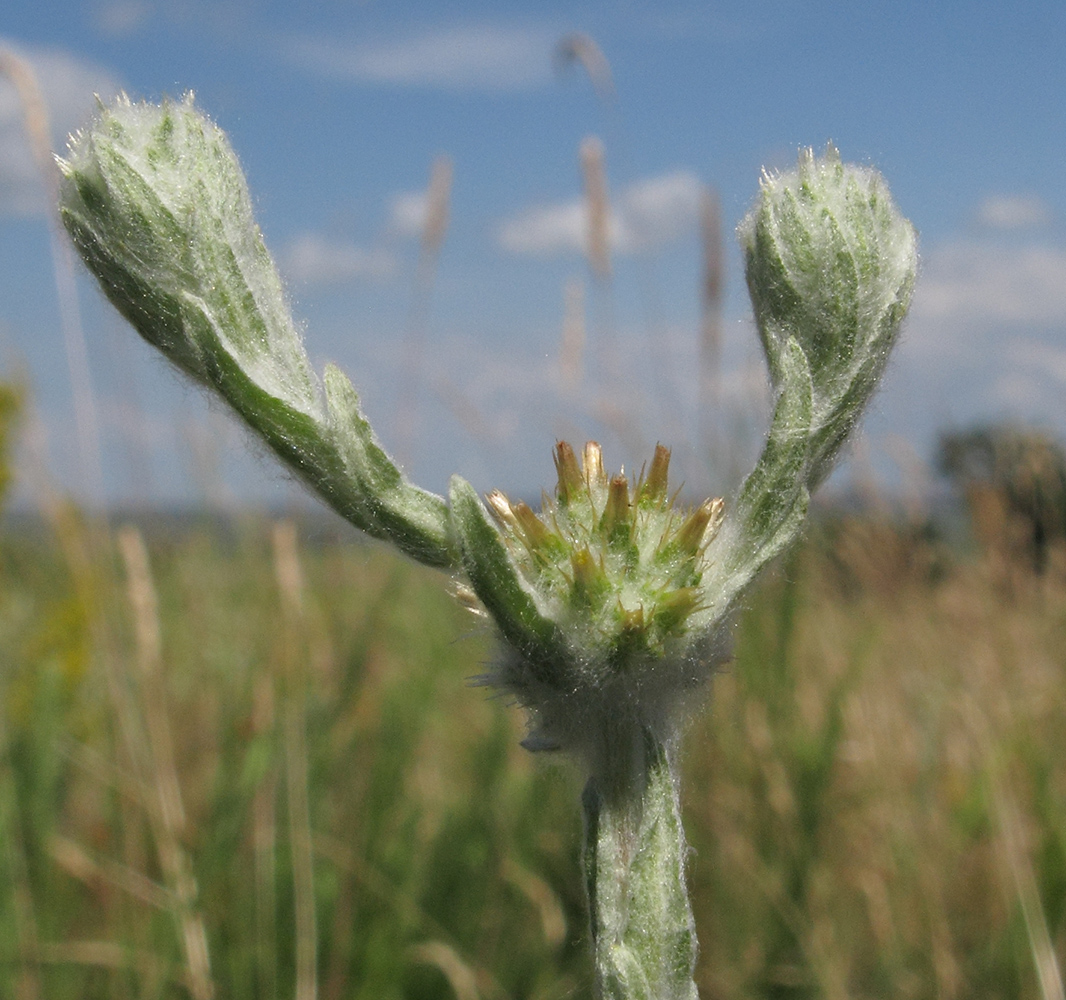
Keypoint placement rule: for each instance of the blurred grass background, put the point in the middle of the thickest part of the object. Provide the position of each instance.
(239, 758)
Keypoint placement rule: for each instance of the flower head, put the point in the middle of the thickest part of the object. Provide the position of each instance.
(601, 627)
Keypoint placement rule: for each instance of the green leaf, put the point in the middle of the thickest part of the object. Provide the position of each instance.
(496, 580)
(155, 201)
(773, 502)
(830, 263)
(156, 204)
(415, 520)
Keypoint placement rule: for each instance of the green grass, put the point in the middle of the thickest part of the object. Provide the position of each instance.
(430, 825)
(876, 795)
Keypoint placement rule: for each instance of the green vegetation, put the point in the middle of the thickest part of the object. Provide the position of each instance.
(877, 801)
(426, 818)
(10, 405)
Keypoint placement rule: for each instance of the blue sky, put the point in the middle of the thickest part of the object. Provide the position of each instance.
(339, 111)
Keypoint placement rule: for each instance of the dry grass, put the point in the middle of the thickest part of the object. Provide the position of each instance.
(876, 797)
(597, 207)
(879, 799)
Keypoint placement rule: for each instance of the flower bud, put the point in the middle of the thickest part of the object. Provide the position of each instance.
(616, 524)
(568, 471)
(155, 202)
(592, 466)
(156, 205)
(830, 262)
(651, 491)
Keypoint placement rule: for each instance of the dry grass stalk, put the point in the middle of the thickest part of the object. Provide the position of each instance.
(167, 813)
(79, 864)
(105, 772)
(434, 230)
(438, 201)
(581, 48)
(38, 133)
(712, 282)
(1015, 853)
(34, 111)
(149, 645)
(572, 342)
(107, 955)
(597, 207)
(290, 585)
(539, 893)
(442, 956)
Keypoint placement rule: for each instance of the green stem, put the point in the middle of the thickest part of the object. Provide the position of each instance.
(643, 934)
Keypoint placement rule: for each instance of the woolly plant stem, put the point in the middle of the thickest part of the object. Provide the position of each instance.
(643, 933)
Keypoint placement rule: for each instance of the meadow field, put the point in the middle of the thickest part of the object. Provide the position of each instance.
(243, 759)
(247, 757)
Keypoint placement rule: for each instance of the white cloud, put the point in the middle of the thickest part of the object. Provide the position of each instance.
(992, 284)
(546, 230)
(985, 338)
(646, 214)
(68, 84)
(478, 57)
(1013, 211)
(509, 398)
(407, 213)
(660, 209)
(316, 260)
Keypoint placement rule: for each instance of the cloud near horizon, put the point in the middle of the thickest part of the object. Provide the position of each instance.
(647, 214)
(476, 57)
(1013, 211)
(314, 259)
(985, 283)
(985, 338)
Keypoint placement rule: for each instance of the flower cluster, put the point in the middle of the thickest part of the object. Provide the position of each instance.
(615, 569)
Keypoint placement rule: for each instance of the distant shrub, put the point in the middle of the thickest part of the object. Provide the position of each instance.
(1014, 481)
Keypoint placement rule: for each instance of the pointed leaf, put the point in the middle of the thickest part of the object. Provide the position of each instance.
(499, 584)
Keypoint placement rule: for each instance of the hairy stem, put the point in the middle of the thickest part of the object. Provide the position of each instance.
(643, 934)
